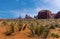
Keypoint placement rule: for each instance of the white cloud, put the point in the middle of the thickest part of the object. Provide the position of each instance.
(53, 3)
(46, 1)
(56, 3)
(30, 12)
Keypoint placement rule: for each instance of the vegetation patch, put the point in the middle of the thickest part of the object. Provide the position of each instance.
(55, 35)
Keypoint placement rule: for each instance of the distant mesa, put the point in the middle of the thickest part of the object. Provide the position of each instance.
(44, 14)
(27, 17)
(47, 14)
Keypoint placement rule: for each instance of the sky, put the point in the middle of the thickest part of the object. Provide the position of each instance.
(16, 8)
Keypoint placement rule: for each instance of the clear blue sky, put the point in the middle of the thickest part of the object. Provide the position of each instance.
(16, 8)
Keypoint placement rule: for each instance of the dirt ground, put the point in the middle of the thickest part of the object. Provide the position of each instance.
(23, 34)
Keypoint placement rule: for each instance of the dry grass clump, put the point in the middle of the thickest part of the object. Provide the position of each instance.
(55, 35)
(4, 23)
(39, 30)
(11, 30)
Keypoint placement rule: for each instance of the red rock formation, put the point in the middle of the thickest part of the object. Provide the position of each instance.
(57, 15)
(44, 14)
(28, 17)
(52, 16)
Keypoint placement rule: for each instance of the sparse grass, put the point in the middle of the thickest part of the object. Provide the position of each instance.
(39, 30)
(25, 27)
(52, 27)
(4, 23)
(46, 32)
(9, 32)
(20, 25)
(12, 27)
(36, 27)
(55, 35)
(31, 28)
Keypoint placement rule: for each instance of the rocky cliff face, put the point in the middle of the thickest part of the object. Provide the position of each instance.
(57, 15)
(44, 14)
(52, 15)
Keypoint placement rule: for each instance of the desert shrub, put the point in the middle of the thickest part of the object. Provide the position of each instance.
(39, 30)
(46, 31)
(25, 27)
(52, 27)
(4, 22)
(55, 35)
(31, 28)
(12, 27)
(57, 25)
(20, 25)
(11, 30)
(8, 33)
